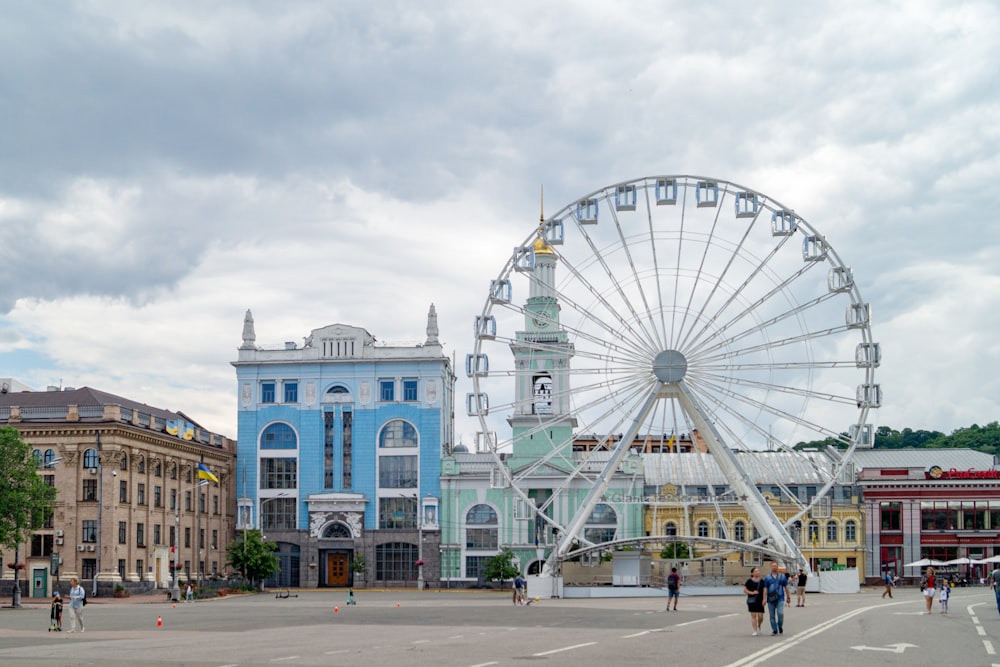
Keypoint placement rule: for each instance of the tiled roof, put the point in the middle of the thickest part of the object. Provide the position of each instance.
(84, 396)
(962, 459)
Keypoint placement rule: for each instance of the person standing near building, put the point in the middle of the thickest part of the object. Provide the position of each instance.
(189, 595)
(995, 584)
(76, 599)
(754, 590)
(888, 585)
(776, 586)
(928, 585)
(55, 613)
(945, 595)
(800, 588)
(673, 587)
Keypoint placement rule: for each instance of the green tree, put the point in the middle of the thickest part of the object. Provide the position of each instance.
(675, 551)
(25, 498)
(254, 558)
(501, 567)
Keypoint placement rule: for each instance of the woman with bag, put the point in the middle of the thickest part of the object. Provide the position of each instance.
(754, 590)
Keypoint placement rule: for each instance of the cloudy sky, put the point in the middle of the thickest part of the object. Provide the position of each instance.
(165, 166)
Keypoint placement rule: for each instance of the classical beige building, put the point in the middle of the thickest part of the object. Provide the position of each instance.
(128, 488)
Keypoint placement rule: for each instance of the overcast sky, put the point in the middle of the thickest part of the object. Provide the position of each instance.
(165, 166)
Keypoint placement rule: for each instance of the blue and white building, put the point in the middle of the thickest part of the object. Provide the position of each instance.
(339, 453)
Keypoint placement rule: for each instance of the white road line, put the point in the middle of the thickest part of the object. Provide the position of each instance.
(455, 637)
(485, 664)
(700, 620)
(560, 650)
(988, 645)
(342, 650)
(638, 634)
(422, 641)
(981, 630)
(287, 657)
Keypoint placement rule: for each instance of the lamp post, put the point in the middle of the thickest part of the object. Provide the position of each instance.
(175, 588)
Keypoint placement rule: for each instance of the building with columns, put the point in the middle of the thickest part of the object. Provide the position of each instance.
(340, 444)
(126, 479)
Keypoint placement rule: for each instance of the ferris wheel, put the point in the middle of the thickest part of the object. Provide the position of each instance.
(673, 306)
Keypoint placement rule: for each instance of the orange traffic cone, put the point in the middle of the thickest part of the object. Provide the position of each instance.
(336, 610)
(175, 605)
(159, 621)
(397, 605)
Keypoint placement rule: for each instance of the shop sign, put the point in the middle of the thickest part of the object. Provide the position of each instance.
(937, 472)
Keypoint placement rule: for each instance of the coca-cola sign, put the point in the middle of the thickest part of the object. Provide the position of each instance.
(937, 472)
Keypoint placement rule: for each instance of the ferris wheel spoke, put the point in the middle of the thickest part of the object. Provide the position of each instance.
(655, 257)
(698, 274)
(596, 255)
(540, 347)
(716, 390)
(793, 391)
(774, 344)
(777, 365)
(720, 279)
(779, 288)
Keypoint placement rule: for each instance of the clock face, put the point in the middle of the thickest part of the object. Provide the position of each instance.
(541, 324)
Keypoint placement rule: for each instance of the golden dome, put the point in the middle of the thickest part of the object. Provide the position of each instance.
(541, 246)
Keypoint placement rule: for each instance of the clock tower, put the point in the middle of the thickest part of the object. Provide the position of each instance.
(541, 421)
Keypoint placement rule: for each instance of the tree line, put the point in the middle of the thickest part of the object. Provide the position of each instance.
(979, 438)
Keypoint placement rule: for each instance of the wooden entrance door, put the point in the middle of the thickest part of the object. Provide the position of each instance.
(336, 569)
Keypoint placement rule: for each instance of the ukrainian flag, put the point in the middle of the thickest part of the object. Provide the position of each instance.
(205, 473)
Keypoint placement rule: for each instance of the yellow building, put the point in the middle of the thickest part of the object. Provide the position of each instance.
(688, 500)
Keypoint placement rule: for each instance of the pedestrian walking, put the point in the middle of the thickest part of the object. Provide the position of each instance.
(754, 590)
(889, 581)
(518, 590)
(800, 588)
(673, 587)
(928, 585)
(189, 594)
(945, 595)
(77, 598)
(776, 585)
(55, 613)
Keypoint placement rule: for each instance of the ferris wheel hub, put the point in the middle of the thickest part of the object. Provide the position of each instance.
(670, 366)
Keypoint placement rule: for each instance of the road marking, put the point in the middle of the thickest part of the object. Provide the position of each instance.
(988, 645)
(287, 657)
(342, 650)
(981, 630)
(485, 664)
(455, 637)
(700, 620)
(560, 650)
(638, 634)
(762, 656)
(421, 641)
(891, 648)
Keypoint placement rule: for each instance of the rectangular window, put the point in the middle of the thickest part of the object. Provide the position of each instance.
(481, 538)
(89, 531)
(201, 503)
(277, 513)
(140, 493)
(90, 489)
(187, 501)
(291, 388)
(215, 504)
(215, 542)
(123, 491)
(892, 516)
(157, 496)
(157, 534)
(346, 451)
(475, 566)
(121, 568)
(88, 568)
(278, 473)
(267, 392)
(140, 534)
(329, 433)
(387, 390)
(139, 568)
(41, 546)
(201, 538)
(398, 513)
(397, 472)
(173, 499)
(122, 532)
(187, 538)
(173, 536)
(410, 389)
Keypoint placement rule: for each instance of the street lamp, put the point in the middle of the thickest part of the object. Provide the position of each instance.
(175, 589)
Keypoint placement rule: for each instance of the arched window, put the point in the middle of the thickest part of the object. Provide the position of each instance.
(670, 529)
(702, 529)
(720, 530)
(173, 471)
(831, 532)
(123, 464)
(37, 456)
(398, 433)
(50, 457)
(140, 465)
(739, 531)
(482, 528)
(602, 524)
(337, 531)
(850, 531)
(278, 436)
(813, 531)
(90, 458)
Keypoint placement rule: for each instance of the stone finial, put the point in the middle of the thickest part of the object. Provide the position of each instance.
(249, 337)
(432, 327)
